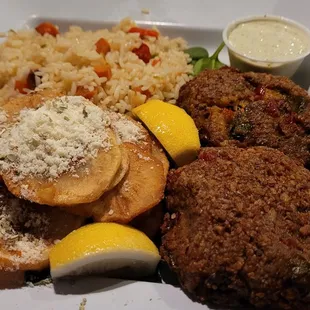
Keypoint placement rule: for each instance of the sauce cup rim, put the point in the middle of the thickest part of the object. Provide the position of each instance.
(282, 19)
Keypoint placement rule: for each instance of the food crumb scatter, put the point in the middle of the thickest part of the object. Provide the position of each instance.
(30, 284)
(25, 192)
(145, 11)
(143, 157)
(126, 186)
(83, 304)
(44, 282)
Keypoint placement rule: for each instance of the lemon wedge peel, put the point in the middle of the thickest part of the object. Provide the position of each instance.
(101, 247)
(173, 127)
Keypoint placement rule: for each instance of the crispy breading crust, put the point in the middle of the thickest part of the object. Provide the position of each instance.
(249, 109)
(238, 228)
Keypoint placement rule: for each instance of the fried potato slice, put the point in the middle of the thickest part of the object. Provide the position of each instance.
(159, 153)
(145, 143)
(87, 184)
(28, 232)
(14, 105)
(122, 170)
(140, 190)
(118, 122)
(86, 210)
(150, 221)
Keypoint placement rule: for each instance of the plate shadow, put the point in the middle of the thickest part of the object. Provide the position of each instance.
(86, 285)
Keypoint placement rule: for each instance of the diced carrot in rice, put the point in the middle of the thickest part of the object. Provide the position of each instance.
(103, 71)
(143, 52)
(46, 27)
(102, 46)
(72, 61)
(86, 93)
(155, 61)
(20, 86)
(146, 92)
(144, 32)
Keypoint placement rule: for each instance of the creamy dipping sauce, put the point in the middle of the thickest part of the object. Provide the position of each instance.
(269, 40)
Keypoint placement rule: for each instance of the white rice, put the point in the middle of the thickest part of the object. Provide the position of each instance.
(66, 62)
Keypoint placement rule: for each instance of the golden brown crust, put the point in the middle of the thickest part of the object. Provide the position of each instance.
(237, 230)
(11, 279)
(215, 98)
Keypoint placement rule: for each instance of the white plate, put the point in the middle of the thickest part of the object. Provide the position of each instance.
(201, 23)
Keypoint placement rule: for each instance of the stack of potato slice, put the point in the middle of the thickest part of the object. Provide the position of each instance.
(137, 187)
(31, 230)
(117, 185)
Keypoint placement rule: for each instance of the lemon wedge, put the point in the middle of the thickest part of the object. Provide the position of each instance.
(173, 127)
(108, 248)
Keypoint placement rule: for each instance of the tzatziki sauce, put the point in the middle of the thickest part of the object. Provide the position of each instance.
(269, 40)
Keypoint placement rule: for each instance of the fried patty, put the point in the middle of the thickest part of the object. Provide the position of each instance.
(238, 228)
(249, 109)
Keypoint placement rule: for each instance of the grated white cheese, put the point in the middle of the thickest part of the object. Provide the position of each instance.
(126, 186)
(25, 192)
(125, 129)
(3, 117)
(143, 157)
(55, 138)
(20, 226)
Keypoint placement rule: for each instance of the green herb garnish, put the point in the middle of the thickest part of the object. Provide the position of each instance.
(197, 53)
(85, 114)
(209, 62)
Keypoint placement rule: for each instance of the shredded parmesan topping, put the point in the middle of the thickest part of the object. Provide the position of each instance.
(21, 230)
(54, 139)
(3, 117)
(125, 129)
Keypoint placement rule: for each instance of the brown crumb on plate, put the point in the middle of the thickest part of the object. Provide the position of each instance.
(83, 304)
(145, 11)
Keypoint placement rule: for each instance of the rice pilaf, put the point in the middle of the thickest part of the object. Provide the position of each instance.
(66, 62)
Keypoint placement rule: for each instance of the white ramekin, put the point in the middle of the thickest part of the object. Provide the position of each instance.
(244, 63)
